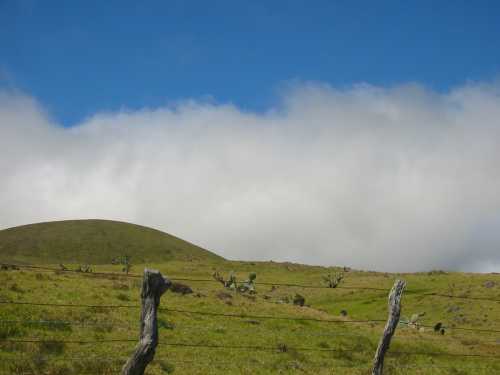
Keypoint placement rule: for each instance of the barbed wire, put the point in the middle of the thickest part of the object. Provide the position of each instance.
(454, 296)
(419, 366)
(240, 316)
(135, 276)
(215, 363)
(471, 329)
(251, 316)
(279, 348)
(196, 328)
(64, 323)
(251, 362)
(174, 328)
(206, 313)
(276, 349)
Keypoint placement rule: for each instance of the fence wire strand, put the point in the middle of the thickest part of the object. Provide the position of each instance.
(135, 276)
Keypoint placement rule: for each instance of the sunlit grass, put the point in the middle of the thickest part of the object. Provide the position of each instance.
(339, 348)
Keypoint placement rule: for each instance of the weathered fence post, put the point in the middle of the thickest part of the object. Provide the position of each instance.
(153, 286)
(390, 327)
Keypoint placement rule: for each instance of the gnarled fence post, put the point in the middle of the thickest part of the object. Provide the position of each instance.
(390, 327)
(153, 286)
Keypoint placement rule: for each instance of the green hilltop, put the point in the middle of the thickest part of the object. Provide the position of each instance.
(94, 242)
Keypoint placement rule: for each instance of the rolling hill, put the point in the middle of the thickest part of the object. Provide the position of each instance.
(48, 318)
(94, 242)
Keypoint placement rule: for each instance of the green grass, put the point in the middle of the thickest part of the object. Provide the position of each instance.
(94, 242)
(352, 344)
(284, 336)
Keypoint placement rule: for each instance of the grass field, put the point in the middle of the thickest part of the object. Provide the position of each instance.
(250, 345)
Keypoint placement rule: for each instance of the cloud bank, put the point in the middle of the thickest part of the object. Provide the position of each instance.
(397, 179)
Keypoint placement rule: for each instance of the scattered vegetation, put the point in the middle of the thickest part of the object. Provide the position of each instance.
(247, 286)
(342, 348)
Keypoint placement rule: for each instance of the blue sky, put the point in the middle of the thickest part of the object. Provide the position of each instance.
(357, 130)
(78, 58)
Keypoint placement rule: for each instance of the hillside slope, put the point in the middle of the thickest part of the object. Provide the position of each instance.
(46, 316)
(94, 242)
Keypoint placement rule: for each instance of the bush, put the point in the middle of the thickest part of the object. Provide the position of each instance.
(167, 367)
(123, 297)
(181, 288)
(51, 347)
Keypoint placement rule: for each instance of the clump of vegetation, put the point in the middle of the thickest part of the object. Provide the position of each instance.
(167, 367)
(16, 288)
(180, 288)
(283, 348)
(165, 324)
(333, 280)
(439, 328)
(85, 268)
(125, 261)
(7, 331)
(436, 272)
(413, 322)
(123, 297)
(249, 284)
(299, 300)
(51, 347)
(231, 283)
(324, 345)
(7, 267)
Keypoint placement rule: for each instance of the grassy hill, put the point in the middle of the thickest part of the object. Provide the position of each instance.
(94, 242)
(66, 323)
(82, 340)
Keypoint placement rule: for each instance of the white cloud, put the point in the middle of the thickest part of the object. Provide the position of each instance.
(391, 179)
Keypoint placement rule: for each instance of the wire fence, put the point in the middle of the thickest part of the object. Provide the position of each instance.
(269, 348)
(268, 283)
(197, 329)
(276, 348)
(241, 316)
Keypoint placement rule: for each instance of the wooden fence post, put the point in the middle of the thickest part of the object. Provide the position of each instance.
(153, 286)
(390, 327)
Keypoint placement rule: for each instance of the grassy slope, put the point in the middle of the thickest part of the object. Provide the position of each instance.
(94, 242)
(324, 304)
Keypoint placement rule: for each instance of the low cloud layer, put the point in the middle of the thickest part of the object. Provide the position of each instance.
(399, 179)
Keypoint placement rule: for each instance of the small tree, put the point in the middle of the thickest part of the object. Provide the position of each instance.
(231, 282)
(248, 285)
(123, 260)
(333, 280)
(127, 265)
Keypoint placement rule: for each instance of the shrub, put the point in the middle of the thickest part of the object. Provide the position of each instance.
(123, 297)
(51, 347)
(167, 367)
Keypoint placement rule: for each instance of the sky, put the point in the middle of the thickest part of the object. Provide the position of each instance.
(333, 133)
